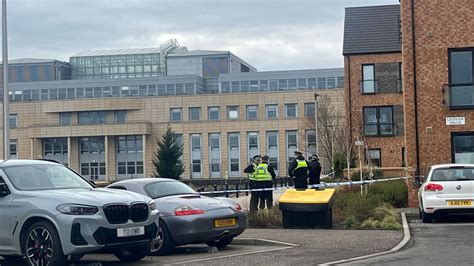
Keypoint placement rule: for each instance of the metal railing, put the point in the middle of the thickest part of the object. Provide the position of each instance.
(380, 129)
(458, 96)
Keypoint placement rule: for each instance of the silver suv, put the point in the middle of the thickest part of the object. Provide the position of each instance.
(49, 213)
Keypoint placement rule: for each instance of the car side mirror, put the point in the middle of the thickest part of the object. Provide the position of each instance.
(4, 191)
(419, 180)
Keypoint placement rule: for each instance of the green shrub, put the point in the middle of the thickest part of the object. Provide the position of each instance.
(384, 211)
(350, 222)
(370, 224)
(394, 192)
(265, 218)
(353, 204)
(390, 223)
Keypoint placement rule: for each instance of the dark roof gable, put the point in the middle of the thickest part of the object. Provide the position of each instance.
(372, 29)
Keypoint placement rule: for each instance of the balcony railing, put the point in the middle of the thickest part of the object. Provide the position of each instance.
(459, 96)
(380, 129)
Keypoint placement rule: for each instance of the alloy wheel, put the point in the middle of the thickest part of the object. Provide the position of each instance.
(39, 246)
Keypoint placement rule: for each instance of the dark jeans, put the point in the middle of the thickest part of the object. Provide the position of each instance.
(301, 182)
(254, 195)
(314, 179)
(266, 197)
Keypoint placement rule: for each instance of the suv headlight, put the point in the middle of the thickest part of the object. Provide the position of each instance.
(77, 209)
(152, 205)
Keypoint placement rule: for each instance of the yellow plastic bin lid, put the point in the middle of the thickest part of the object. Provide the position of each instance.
(308, 196)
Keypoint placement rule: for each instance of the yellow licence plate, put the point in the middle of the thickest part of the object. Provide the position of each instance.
(225, 222)
(459, 203)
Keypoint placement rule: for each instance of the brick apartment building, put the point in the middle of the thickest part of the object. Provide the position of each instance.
(432, 42)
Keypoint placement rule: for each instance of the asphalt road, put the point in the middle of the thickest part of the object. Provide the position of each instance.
(446, 242)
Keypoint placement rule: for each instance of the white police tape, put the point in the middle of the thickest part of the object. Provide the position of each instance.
(322, 185)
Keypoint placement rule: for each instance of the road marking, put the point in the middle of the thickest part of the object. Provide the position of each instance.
(229, 256)
(405, 240)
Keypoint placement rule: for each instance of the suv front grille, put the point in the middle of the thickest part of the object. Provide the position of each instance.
(139, 212)
(121, 213)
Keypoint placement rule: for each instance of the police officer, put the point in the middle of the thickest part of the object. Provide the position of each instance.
(265, 174)
(298, 169)
(314, 170)
(253, 182)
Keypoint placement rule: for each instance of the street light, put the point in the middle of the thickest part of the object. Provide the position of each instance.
(316, 122)
(6, 111)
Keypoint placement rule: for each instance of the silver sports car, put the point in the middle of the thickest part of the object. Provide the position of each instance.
(187, 217)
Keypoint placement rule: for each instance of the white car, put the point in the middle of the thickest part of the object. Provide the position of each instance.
(448, 189)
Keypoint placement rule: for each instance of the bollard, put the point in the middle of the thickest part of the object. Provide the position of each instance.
(237, 188)
(246, 187)
(226, 188)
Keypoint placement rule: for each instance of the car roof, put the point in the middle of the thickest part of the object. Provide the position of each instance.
(144, 181)
(448, 165)
(17, 162)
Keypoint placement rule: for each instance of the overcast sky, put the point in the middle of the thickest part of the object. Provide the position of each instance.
(268, 34)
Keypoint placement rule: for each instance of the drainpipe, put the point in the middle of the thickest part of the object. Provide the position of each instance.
(413, 43)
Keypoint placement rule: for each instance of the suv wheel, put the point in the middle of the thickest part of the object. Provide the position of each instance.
(42, 245)
(165, 244)
(132, 254)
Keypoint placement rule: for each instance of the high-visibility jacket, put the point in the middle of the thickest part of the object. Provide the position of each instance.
(301, 164)
(252, 175)
(262, 174)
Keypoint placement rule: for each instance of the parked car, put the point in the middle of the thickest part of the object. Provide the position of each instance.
(186, 217)
(49, 213)
(448, 189)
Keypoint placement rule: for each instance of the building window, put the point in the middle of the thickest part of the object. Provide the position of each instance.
(462, 147)
(252, 140)
(283, 84)
(272, 149)
(291, 145)
(55, 149)
(253, 85)
(291, 110)
(310, 143)
(130, 156)
(340, 82)
(263, 85)
(252, 112)
(378, 121)
(120, 117)
(194, 113)
(195, 153)
(461, 78)
(213, 113)
(214, 154)
(404, 157)
(271, 111)
(331, 83)
(312, 83)
(368, 79)
(225, 87)
(65, 118)
(93, 117)
(175, 115)
(292, 84)
(13, 121)
(13, 149)
(232, 112)
(321, 83)
(234, 154)
(309, 109)
(374, 157)
(302, 84)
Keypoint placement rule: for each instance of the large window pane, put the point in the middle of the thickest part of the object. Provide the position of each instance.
(252, 112)
(194, 113)
(461, 67)
(368, 79)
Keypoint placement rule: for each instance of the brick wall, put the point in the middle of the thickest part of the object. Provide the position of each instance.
(439, 25)
(391, 147)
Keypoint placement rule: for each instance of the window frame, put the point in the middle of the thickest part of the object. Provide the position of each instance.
(450, 77)
(380, 156)
(190, 114)
(378, 124)
(363, 80)
(247, 112)
(228, 112)
(266, 111)
(286, 110)
(180, 114)
(218, 109)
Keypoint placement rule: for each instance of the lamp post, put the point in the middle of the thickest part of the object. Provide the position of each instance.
(332, 150)
(316, 122)
(6, 111)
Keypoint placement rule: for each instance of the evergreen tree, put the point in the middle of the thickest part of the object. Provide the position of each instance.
(166, 159)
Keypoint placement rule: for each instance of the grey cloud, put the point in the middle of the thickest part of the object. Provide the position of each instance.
(270, 34)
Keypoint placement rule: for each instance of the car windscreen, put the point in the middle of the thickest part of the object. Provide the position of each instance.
(453, 174)
(167, 188)
(43, 177)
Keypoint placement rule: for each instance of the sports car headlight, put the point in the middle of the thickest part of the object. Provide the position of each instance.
(77, 209)
(152, 205)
